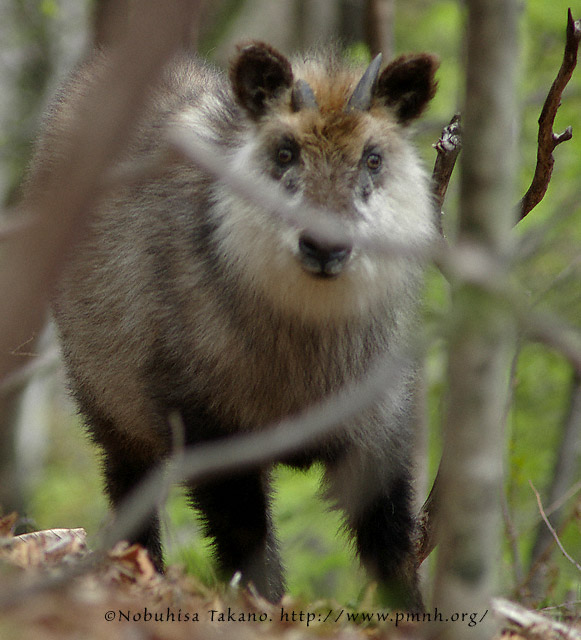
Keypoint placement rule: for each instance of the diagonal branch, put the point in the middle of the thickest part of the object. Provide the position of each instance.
(552, 530)
(547, 139)
(450, 143)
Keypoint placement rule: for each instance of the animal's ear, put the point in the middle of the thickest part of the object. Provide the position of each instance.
(407, 85)
(259, 74)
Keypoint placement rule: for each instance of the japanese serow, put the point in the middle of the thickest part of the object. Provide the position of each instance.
(186, 297)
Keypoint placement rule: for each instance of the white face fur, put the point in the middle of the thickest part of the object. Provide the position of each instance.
(263, 245)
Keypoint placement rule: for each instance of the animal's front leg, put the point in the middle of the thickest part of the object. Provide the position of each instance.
(378, 508)
(123, 472)
(237, 516)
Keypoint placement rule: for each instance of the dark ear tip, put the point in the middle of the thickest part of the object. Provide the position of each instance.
(254, 52)
(258, 73)
(408, 84)
(255, 47)
(430, 63)
(420, 63)
(428, 59)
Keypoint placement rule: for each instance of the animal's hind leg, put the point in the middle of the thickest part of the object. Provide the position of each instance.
(237, 515)
(378, 511)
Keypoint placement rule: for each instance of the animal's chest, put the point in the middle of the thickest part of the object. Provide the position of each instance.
(273, 370)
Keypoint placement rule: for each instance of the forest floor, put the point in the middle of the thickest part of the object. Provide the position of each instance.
(50, 590)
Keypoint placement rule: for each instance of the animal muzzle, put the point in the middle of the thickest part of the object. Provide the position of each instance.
(321, 258)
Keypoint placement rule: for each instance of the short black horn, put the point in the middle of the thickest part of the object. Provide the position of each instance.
(361, 97)
(303, 96)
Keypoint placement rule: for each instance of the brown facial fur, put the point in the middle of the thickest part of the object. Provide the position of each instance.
(331, 145)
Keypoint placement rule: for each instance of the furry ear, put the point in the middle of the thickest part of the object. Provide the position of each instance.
(258, 75)
(407, 85)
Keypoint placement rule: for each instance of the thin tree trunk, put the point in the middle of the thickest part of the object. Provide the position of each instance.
(379, 23)
(481, 342)
(317, 22)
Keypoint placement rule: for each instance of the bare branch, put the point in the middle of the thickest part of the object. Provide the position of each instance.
(450, 143)
(547, 140)
(426, 523)
(532, 582)
(551, 529)
(448, 147)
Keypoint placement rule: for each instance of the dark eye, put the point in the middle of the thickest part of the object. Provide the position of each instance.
(373, 162)
(284, 156)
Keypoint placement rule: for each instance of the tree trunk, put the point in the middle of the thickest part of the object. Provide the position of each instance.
(482, 341)
(379, 23)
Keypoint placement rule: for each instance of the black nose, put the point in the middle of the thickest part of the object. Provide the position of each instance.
(322, 258)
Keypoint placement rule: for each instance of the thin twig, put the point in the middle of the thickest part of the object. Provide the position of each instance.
(547, 139)
(558, 504)
(542, 559)
(552, 530)
(448, 147)
(564, 474)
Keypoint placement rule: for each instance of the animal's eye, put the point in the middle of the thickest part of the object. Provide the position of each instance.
(373, 162)
(284, 156)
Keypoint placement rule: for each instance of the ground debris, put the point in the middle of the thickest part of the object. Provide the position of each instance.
(124, 598)
(533, 625)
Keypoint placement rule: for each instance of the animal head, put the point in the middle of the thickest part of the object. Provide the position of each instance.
(335, 139)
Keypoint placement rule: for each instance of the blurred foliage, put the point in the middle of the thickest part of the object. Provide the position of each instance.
(319, 561)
